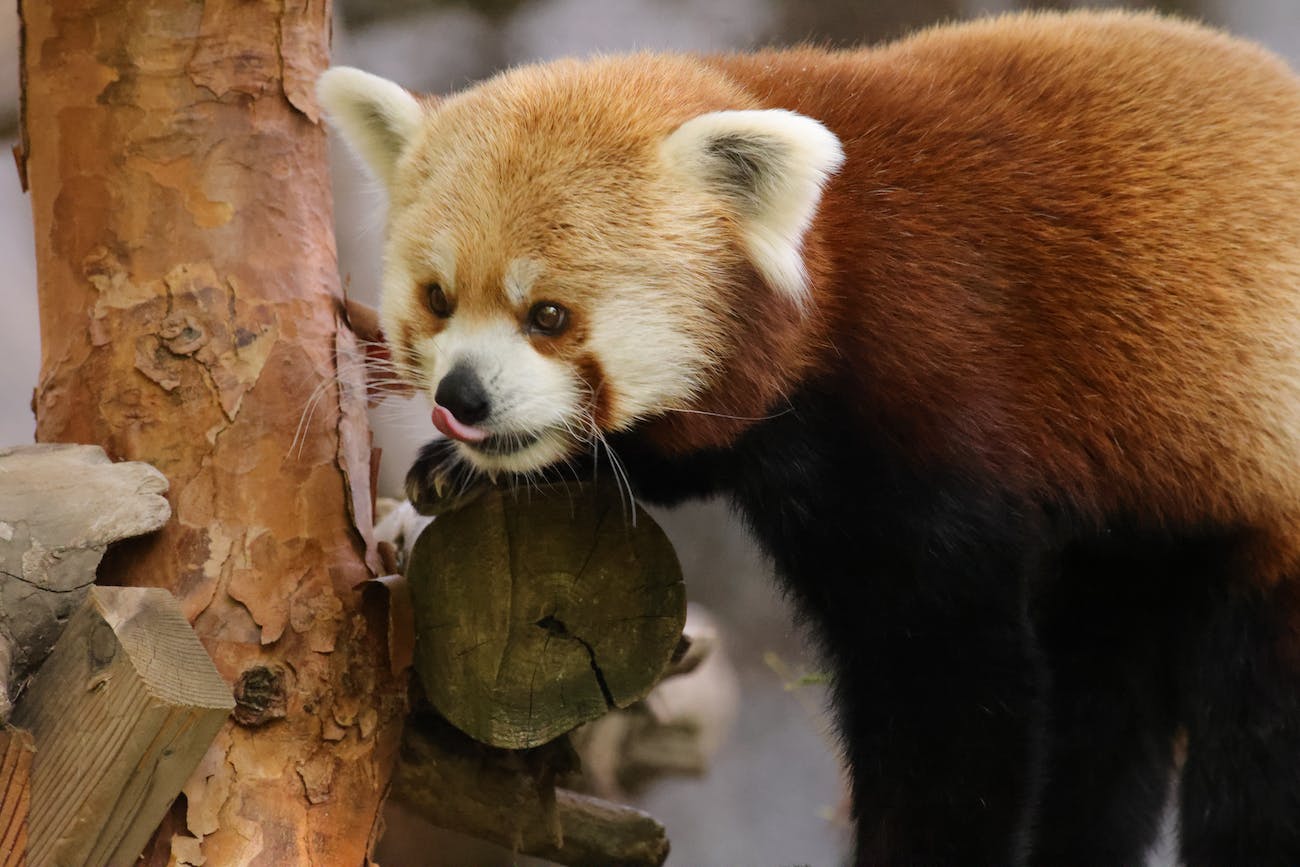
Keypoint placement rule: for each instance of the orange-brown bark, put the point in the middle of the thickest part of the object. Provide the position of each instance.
(191, 318)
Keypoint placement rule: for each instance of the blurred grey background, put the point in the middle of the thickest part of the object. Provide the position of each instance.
(774, 792)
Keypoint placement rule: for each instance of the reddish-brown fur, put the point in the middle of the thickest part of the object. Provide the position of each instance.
(1000, 270)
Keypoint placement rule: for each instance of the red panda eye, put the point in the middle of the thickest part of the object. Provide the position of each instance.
(438, 302)
(548, 318)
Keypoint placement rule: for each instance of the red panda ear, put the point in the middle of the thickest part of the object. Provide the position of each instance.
(771, 165)
(376, 117)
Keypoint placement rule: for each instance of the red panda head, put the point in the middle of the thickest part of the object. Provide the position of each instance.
(577, 248)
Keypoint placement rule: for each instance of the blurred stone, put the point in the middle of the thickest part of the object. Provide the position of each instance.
(848, 24)
(556, 28)
(675, 731)
(359, 14)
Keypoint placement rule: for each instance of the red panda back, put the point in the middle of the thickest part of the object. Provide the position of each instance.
(1066, 251)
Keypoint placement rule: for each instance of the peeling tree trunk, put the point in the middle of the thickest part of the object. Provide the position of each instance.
(190, 318)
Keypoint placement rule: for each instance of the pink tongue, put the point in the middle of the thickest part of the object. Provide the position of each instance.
(444, 421)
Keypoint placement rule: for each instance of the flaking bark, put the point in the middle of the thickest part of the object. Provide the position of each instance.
(190, 317)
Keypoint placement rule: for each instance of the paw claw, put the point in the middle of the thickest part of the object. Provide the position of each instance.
(430, 486)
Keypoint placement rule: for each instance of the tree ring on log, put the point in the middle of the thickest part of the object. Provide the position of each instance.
(538, 610)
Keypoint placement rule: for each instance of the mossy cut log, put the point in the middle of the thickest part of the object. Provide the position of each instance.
(542, 609)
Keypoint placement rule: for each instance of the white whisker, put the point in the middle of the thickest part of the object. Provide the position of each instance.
(785, 411)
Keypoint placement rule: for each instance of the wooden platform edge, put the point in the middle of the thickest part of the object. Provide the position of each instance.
(121, 713)
(16, 751)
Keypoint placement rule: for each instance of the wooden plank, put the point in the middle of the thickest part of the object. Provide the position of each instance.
(121, 713)
(15, 795)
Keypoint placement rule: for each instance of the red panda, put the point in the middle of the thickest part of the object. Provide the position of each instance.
(992, 337)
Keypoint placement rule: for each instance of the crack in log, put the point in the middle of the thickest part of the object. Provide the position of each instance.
(44, 587)
(555, 626)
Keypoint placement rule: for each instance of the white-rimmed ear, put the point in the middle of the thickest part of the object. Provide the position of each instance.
(772, 165)
(376, 117)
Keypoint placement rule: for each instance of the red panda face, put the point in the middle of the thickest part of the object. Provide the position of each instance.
(561, 262)
(530, 352)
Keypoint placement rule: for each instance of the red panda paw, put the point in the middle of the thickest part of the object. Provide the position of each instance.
(441, 481)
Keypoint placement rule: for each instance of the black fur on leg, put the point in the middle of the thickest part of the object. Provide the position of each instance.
(915, 584)
(1111, 623)
(942, 741)
(1241, 784)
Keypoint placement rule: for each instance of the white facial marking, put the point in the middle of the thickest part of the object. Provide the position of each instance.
(653, 361)
(534, 399)
(437, 256)
(520, 276)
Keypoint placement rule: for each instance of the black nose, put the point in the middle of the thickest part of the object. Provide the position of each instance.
(462, 394)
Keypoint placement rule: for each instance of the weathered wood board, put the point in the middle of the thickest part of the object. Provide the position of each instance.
(16, 751)
(121, 713)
